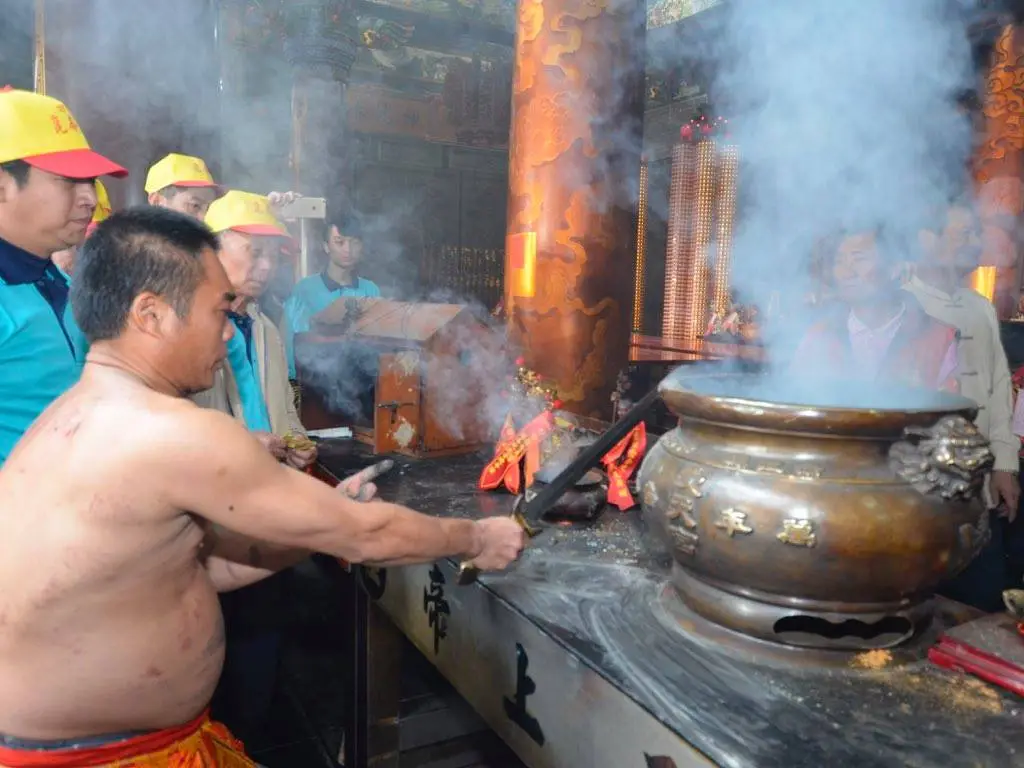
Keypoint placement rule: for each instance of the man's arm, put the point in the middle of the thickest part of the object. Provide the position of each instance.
(1004, 484)
(235, 561)
(217, 470)
(277, 372)
(1005, 446)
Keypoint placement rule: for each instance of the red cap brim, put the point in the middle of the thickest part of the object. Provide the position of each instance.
(260, 229)
(91, 228)
(77, 164)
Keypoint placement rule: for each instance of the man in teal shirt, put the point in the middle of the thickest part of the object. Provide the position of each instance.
(47, 199)
(343, 245)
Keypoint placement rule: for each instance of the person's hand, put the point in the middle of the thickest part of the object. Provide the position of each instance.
(360, 486)
(1005, 490)
(279, 200)
(301, 458)
(501, 541)
(273, 443)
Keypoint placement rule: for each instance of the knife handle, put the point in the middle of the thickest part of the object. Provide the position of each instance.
(469, 573)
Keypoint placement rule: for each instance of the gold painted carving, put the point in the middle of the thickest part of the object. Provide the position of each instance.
(732, 521)
(682, 524)
(676, 443)
(650, 494)
(799, 533)
(808, 472)
(685, 541)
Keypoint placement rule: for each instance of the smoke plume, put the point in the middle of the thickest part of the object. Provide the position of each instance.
(846, 117)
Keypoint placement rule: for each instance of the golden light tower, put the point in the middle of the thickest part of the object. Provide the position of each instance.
(641, 249)
(702, 212)
(725, 214)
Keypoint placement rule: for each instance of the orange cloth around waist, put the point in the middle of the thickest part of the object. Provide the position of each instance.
(201, 743)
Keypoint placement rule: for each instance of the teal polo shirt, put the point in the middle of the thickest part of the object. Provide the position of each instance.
(247, 376)
(41, 348)
(313, 294)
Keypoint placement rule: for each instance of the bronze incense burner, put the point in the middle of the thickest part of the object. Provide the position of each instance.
(812, 524)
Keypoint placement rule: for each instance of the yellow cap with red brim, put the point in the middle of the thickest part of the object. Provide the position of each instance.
(179, 171)
(42, 132)
(244, 212)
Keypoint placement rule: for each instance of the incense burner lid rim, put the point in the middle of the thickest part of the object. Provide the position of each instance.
(732, 399)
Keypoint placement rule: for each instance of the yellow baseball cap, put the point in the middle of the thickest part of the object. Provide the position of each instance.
(41, 131)
(103, 207)
(178, 171)
(244, 212)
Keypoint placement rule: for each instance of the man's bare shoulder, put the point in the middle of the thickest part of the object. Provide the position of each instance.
(173, 428)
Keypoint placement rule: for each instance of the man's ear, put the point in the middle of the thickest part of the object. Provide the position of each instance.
(155, 198)
(148, 313)
(7, 187)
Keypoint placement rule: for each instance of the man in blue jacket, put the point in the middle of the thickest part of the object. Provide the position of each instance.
(47, 199)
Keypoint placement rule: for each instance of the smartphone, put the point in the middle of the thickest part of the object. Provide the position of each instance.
(304, 208)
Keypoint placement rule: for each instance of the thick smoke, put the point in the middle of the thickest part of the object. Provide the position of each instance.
(846, 117)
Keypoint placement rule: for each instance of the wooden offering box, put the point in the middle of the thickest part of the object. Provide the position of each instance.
(436, 365)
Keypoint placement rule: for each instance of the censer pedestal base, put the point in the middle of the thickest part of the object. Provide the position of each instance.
(804, 624)
(743, 647)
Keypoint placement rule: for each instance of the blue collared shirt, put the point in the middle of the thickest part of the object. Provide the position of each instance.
(41, 348)
(311, 295)
(247, 375)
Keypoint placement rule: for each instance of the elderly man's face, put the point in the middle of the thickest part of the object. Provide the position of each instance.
(248, 261)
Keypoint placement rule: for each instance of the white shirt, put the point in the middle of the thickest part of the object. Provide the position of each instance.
(983, 372)
(869, 346)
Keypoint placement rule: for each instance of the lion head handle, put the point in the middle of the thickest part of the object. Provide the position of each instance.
(949, 459)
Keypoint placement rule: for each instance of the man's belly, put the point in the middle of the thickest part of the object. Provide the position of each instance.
(144, 664)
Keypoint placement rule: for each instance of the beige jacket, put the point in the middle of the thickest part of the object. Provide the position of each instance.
(273, 369)
(983, 372)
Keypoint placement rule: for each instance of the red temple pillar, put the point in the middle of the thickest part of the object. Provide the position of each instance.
(574, 165)
(998, 166)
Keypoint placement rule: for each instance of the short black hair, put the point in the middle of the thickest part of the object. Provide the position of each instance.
(892, 246)
(139, 249)
(18, 169)
(348, 225)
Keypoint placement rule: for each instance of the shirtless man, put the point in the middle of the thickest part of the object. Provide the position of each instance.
(109, 619)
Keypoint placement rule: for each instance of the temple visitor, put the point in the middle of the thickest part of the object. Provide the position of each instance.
(65, 260)
(254, 385)
(343, 244)
(877, 332)
(181, 183)
(950, 252)
(111, 656)
(254, 388)
(47, 200)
